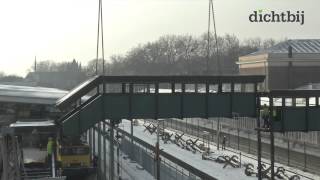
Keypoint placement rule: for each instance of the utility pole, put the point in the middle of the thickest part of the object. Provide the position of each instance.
(211, 12)
(216, 39)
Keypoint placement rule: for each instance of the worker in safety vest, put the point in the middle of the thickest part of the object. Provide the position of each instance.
(265, 116)
(50, 149)
(224, 140)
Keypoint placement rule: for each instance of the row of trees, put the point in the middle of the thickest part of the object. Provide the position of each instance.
(172, 55)
(182, 55)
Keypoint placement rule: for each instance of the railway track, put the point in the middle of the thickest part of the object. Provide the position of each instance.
(305, 162)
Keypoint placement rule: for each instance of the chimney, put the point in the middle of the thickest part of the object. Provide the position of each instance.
(290, 51)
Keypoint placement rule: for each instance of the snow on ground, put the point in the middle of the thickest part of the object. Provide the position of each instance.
(133, 171)
(214, 169)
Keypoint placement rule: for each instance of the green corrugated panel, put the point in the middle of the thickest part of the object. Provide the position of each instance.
(294, 119)
(194, 105)
(169, 106)
(219, 105)
(143, 106)
(71, 126)
(91, 114)
(244, 104)
(116, 106)
(314, 118)
(277, 126)
(277, 119)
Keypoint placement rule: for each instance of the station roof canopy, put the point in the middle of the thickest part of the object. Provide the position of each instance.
(32, 95)
(44, 123)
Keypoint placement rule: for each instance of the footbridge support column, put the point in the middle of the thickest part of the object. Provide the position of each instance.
(111, 150)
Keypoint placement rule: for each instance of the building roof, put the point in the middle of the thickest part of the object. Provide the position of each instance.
(298, 46)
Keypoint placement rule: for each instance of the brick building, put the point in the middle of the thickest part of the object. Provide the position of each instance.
(287, 65)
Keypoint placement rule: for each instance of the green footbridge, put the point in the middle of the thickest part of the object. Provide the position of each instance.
(157, 97)
(140, 97)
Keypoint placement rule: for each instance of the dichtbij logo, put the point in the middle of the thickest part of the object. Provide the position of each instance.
(261, 16)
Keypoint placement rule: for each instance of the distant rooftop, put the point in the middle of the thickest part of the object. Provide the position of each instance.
(298, 46)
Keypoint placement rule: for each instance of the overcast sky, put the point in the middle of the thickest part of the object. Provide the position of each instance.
(61, 30)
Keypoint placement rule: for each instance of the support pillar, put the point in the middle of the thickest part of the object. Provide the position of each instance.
(258, 103)
(93, 142)
(131, 120)
(158, 152)
(238, 131)
(104, 152)
(118, 156)
(271, 138)
(305, 156)
(90, 142)
(99, 152)
(111, 150)
(218, 134)
(131, 138)
(288, 149)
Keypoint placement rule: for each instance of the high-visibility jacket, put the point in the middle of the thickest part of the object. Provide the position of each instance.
(50, 147)
(265, 112)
